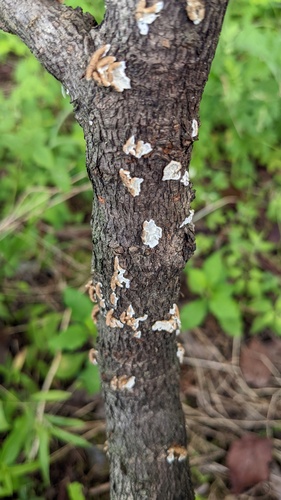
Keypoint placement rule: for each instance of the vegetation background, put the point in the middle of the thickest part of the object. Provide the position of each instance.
(51, 427)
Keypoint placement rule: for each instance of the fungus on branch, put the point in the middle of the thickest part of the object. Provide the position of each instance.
(138, 150)
(151, 233)
(147, 15)
(111, 321)
(127, 317)
(118, 278)
(132, 183)
(106, 71)
(123, 382)
(176, 453)
(171, 325)
(195, 10)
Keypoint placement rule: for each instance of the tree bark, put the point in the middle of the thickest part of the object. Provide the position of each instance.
(136, 278)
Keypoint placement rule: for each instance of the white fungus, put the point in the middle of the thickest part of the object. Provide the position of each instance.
(138, 149)
(185, 178)
(172, 171)
(147, 15)
(188, 219)
(194, 131)
(151, 234)
(133, 184)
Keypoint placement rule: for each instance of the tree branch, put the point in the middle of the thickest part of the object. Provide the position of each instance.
(59, 37)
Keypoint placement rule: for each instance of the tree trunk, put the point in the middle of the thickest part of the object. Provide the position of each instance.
(142, 221)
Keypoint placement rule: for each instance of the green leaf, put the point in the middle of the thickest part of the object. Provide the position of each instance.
(197, 281)
(15, 440)
(193, 314)
(226, 310)
(71, 339)
(4, 426)
(79, 303)
(68, 437)
(44, 454)
(52, 395)
(70, 365)
(90, 379)
(75, 491)
(214, 269)
(65, 421)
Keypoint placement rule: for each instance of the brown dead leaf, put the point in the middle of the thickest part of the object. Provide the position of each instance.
(255, 372)
(248, 461)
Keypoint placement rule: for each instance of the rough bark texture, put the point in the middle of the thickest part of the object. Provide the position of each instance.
(168, 69)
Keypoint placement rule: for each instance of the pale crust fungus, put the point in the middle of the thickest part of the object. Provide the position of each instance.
(185, 178)
(195, 10)
(176, 453)
(194, 126)
(172, 171)
(171, 325)
(111, 321)
(133, 184)
(91, 291)
(106, 71)
(147, 15)
(118, 278)
(113, 299)
(180, 352)
(188, 219)
(138, 149)
(123, 382)
(93, 353)
(127, 317)
(95, 313)
(151, 233)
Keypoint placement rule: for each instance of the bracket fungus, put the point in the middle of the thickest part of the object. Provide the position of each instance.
(118, 278)
(188, 219)
(138, 149)
(106, 71)
(147, 15)
(151, 233)
(195, 10)
(133, 184)
(123, 382)
(176, 453)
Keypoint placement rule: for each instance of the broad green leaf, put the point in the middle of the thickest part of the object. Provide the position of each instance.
(90, 379)
(214, 269)
(79, 303)
(70, 365)
(75, 491)
(193, 314)
(71, 339)
(4, 425)
(197, 281)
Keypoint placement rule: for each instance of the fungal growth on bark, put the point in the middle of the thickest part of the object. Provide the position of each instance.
(138, 149)
(106, 72)
(151, 233)
(147, 15)
(195, 10)
(172, 171)
(133, 184)
(118, 278)
(123, 382)
(176, 453)
(128, 318)
(188, 219)
(171, 325)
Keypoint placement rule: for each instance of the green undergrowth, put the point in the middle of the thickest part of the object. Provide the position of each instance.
(45, 201)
